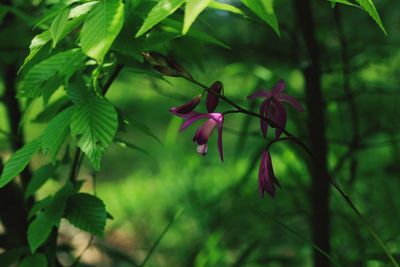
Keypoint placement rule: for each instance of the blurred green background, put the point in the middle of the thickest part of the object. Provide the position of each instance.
(201, 212)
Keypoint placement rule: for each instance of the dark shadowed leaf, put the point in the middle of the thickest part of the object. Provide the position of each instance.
(87, 212)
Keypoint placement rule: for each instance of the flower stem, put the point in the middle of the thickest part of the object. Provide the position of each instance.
(294, 139)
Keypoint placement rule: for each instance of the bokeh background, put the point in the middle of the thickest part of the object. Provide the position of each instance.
(189, 210)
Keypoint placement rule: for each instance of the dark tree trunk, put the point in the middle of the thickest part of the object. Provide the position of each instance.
(320, 213)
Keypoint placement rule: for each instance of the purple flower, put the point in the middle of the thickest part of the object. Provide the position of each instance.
(272, 109)
(266, 176)
(214, 120)
(187, 107)
(212, 96)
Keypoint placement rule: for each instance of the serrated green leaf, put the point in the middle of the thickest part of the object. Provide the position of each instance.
(40, 228)
(51, 87)
(265, 10)
(36, 45)
(194, 32)
(39, 178)
(56, 132)
(101, 28)
(160, 11)
(17, 163)
(193, 9)
(94, 124)
(369, 7)
(86, 212)
(77, 90)
(64, 64)
(58, 25)
(35, 260)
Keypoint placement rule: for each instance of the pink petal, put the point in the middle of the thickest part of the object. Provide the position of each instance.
(191, 118)
(204, 132)
(278, 88)
(264, 116)
(220, 149)
(260, 94)
(291, 100)
(279, 117)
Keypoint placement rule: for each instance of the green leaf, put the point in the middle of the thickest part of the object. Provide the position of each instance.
(369, 7)
(17, 163)
(225, 7)
(124, 144)
(56, 132)
(86, 212)
(194, 32)
(64, 63)
(9, 257)
(40, 228)
(40, 176)
(58, 25)
(193, 9)
(160, 11)
(35, 260)
(265, 10)
(52, 110)
(101, 28)
(345, 2)
(38, 206)
(36, 45)
(94, 124)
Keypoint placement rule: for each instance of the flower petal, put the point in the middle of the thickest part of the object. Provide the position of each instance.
(278, 88)
(271, 175)
(220, 148)
(260, 94)
(187, 107)
(264, 116)
(278, 117)
(191, 118)
(212, 96)
(291, 100)
(204, 132)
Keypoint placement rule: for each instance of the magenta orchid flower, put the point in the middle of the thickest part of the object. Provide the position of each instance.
(212, 96)
(214, 120)
(272, 109)
(266, 176)
(184, 109)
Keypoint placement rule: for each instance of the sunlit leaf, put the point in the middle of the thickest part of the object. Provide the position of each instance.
(101, 28)
(64, 63)
(94, 124)
(193, 9)
(58, 25)
(225, 7)
(265, 10)
(17, 163)
(369, 7)
(160, 11)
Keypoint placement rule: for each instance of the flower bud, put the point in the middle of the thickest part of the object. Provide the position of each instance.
(212, 96)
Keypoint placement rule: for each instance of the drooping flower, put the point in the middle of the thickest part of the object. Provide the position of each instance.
(187, 107)
(165, 65)
(212, 96)
(272, 109)
(214, 120)
(266, 176)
